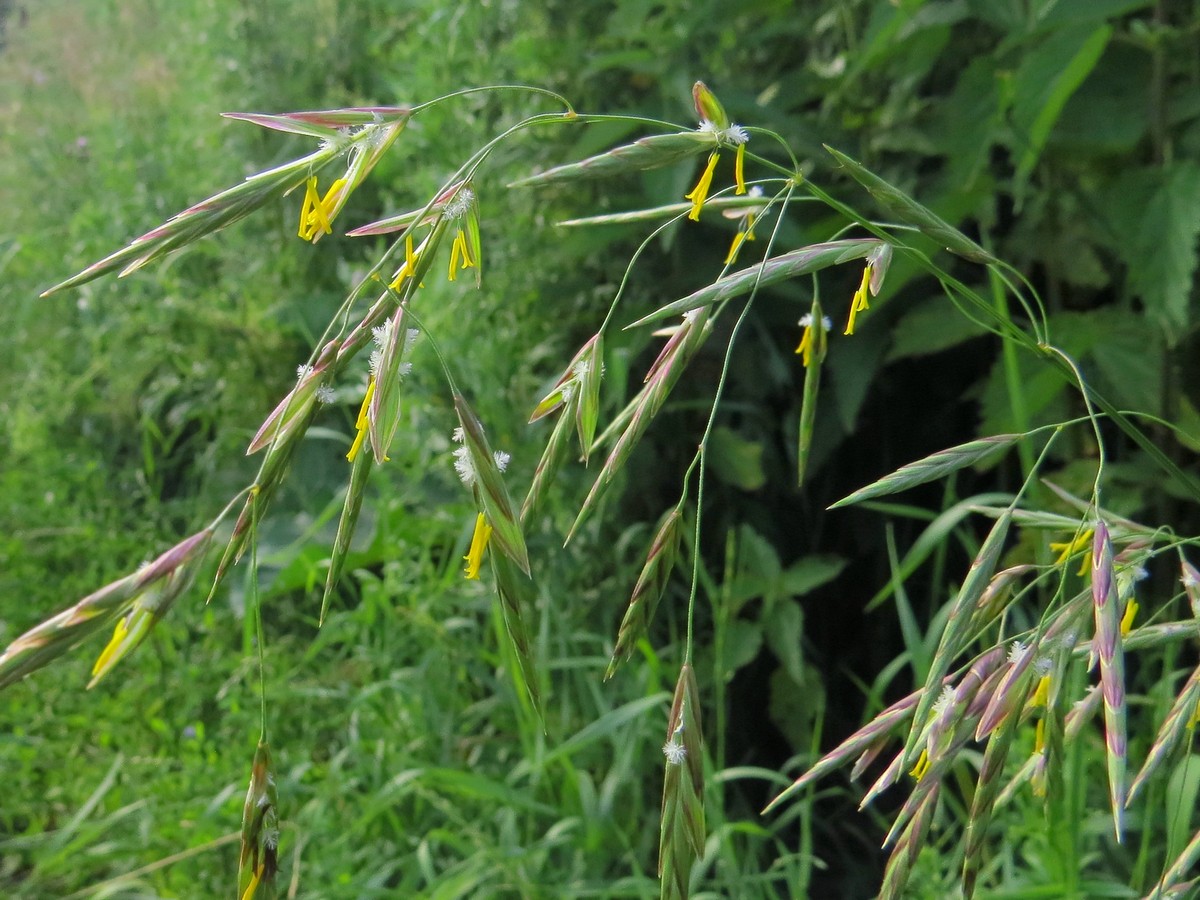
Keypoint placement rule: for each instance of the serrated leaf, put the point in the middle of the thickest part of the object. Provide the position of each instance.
(735, 460)
(1129, 356)
(1157, 214)
(930, 328)
(1043, 85)
(931, 468)
(1187, 420)
(1063, 12)
(742, 641)
(785, 630)
(809, 573)
(853, 369)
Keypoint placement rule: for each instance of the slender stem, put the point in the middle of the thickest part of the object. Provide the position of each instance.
(256, 598)
(708, 429)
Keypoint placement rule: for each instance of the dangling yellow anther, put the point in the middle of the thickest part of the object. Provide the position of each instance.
(459, 252)
(699, 193)
(479, 542)
(860, 301)
(1131, 609)
(922, 766)
(362, 423)
(316, 213)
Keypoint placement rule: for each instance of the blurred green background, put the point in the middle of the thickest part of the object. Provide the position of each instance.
(1065, 136)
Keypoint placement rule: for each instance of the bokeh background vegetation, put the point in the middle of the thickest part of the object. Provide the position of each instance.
(1064, 135)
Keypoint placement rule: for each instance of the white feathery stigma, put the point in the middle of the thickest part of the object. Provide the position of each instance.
(461, 204)
(944, 701)
(674, 752)
(463, 465)
(1016, 652)
(735, 134)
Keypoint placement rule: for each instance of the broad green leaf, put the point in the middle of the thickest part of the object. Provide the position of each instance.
(931, 327)
(784, 626)
(931, 468)
(1057, 13)
(967, 122)
(853, 365)
(1129, 355)
(735, 460)
(757, 569)
(1043, 84)
(741, 642)
(809, 573)
(1045, 394)
(1187, 420)
(909, 210)
(796, 712)
(1108, 113)
(1156, 214)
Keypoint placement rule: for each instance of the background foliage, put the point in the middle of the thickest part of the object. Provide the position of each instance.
(1064, 135)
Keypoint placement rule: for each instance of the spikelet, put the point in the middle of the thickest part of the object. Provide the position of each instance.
(1112, 669)
(662, 377)
(258, 857)
(651, 583)
(681, 826)
(135, 602)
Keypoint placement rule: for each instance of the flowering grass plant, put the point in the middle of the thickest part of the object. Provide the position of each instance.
(1036, 642)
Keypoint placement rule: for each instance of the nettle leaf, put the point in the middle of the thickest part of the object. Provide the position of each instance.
(931, 327)
(1061, 12)
(735, 460)
(853, 366)
(785, 633)
(742, 642)
(1187, 420)
(1108, 113)
(1045, 390)
(1156, 214)
(1043, 85)
(931, 468)
(1128, 355)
